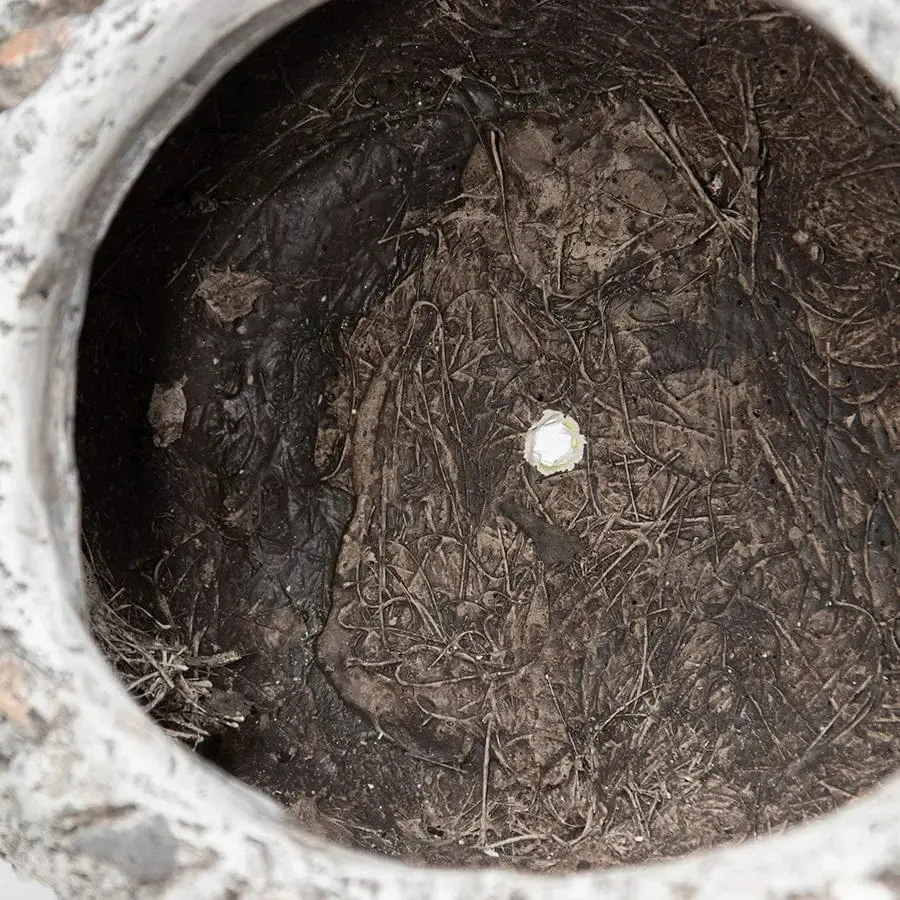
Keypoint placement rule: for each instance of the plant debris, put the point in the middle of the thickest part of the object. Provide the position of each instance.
(678, 683)
(162, 670)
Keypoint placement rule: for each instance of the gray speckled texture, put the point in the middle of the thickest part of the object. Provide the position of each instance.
(86, 776)
(870, 29)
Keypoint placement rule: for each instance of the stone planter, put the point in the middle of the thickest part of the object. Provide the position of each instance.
(96, 801)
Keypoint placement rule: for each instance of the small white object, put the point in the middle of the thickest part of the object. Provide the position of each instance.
(554, 443)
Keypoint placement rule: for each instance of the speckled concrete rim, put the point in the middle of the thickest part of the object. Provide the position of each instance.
(96, 802)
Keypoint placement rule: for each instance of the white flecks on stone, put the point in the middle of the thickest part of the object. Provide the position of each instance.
(554, 443)
(861, 890)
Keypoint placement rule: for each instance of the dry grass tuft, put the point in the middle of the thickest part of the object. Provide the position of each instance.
(160, 668)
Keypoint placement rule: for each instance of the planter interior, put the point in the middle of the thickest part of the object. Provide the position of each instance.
(317, 331)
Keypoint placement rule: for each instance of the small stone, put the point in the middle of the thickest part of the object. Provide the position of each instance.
(28, 58)
(168, 407)
(231, 295)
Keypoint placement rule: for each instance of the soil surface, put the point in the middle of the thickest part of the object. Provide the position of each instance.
(323, 322)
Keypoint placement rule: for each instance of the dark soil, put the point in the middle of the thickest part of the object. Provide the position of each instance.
(318, 331)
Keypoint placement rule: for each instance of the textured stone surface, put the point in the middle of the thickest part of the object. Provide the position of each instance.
(870, 29)
(145, 852)
(27, 58)
(33, 35)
